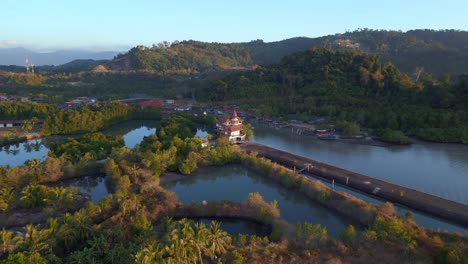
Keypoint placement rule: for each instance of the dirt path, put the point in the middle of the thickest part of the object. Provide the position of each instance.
(450, 210)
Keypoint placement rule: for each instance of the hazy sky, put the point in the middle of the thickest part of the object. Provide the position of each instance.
(119, 24)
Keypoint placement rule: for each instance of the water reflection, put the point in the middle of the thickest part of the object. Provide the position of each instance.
(15, 155)
(439, 169)
(95, 187)
(234, 183)
(133, 131)
(420, 218)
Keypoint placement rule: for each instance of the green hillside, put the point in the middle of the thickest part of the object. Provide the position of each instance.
(349, 86)
(184, 57)
(415, 51)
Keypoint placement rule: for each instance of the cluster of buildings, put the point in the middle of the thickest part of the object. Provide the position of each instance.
(10, 123)
(167, 106)
(19, 98)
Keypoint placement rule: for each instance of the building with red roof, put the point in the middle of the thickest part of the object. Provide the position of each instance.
(231, 128)
(145, 104)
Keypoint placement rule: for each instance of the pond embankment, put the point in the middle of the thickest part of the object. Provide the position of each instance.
(7, 141)
(450, 210)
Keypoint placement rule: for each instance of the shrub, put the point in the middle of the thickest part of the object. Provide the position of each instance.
(348, 235)
(325, 195)
(308, 235)
(276, 233)
(409, 215)
(395, 136)
(141, 223)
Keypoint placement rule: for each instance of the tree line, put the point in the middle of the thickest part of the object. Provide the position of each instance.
(349, 86)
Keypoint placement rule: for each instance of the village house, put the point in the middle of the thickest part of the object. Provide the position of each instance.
(204, 143)
(10, 123)
(231, 128)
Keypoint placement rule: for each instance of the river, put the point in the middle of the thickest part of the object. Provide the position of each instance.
(438, 169)
(423, 166)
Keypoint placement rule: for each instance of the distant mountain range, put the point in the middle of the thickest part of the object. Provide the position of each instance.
(17, 56)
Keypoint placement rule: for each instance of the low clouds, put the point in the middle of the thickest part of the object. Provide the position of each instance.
(7, 44)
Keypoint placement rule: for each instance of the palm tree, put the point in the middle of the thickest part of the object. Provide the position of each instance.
(33, 167)
(6, 195)
(52, 230)
(217, 240)
(67, 231)
(99, 245)
(201, 235)
(8, 241)
(60, 197)
(32, 195)
(35, 239)
(193, 247)
(83, 224)
(149, 255)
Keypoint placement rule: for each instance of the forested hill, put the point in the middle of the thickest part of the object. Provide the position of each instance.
(434, 52)
(349, 86)
(184, 57)
(315, 72)
(414, 52)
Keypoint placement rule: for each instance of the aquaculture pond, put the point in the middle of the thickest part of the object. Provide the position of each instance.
(93, 186)
(420, 218)
(17, 154)
(235, 182)
(133, 133)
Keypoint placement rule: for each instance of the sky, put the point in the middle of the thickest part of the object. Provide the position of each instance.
(121, 24)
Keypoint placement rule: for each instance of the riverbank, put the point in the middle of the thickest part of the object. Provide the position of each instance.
(20, 217)
(434, 205)
(306, 131)
(19, 138)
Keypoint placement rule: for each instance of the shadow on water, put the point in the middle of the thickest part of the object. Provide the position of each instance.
(95, 187)
(235, 182)
(235, 227)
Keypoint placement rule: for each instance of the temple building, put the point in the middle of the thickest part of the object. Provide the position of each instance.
(231, 127)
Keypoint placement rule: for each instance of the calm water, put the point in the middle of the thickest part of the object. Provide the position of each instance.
(16, 155)
(234, 183)
(439, 169)
(95, 187)
(132, 131)
(420, 218)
